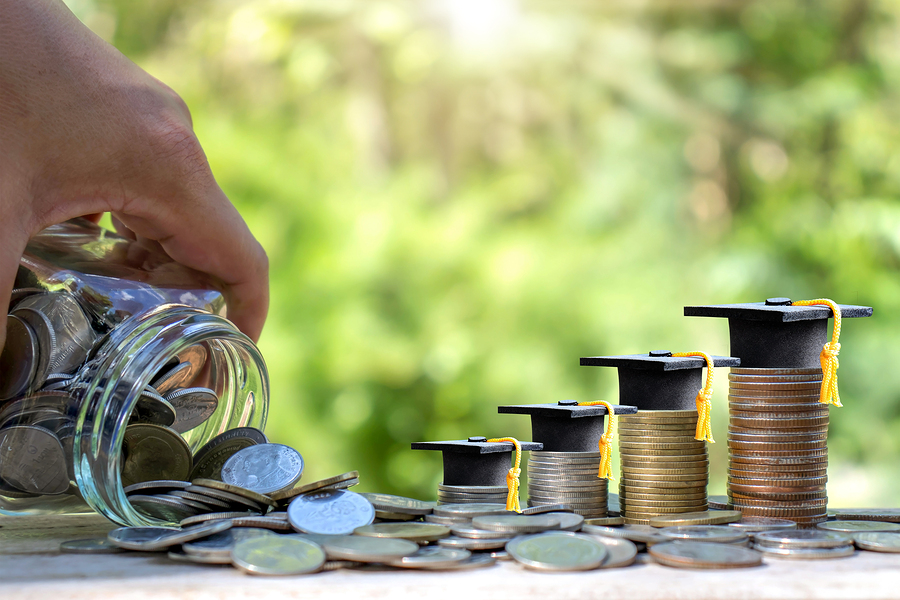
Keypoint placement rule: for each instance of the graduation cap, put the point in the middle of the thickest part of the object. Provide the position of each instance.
(778, 333)
(566, 426)
(475, 461)
(658, 380)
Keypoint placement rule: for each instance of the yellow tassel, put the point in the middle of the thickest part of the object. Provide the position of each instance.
(512, 476)
(704, 397)
(606, 440)
(829, 355)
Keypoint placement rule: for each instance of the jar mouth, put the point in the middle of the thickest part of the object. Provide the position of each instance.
(110, 385)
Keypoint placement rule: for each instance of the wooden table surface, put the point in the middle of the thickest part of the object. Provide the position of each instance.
(32, 568)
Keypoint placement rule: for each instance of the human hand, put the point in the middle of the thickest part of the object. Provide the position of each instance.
(84, 131)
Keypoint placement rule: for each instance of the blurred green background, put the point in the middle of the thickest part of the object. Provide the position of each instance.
(459, 198)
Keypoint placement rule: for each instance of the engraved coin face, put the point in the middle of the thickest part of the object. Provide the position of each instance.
(277, 555)
(32, 460)
(72, 328)
(264, 468)
(210, 459)
(330, 512)
(557, 552)
(152, 452)
(193, 406)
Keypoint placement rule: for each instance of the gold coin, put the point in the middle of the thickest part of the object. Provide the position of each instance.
(662, 427)
(659, 496)
(682, 454)
(651, 471)
(643, 446)
(664, 484)
(668, 462)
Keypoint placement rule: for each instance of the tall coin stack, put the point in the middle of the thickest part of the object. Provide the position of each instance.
(469, 494)
(777, 444)
(664, 469)
(569, 478)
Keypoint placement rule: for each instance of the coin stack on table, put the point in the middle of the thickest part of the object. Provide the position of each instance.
(568, 478)
(475, 469)
(664, 469)
(777, 444)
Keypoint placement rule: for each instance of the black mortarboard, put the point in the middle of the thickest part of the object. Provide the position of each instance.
(658, 380)
(476, 461)
(566, 427)
(775, 334)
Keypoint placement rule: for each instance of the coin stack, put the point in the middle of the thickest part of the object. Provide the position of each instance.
(569, 478)
(664, 469)
(472, 494)
(777, 444)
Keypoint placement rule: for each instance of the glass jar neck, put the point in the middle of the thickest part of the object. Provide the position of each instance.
(110, 384)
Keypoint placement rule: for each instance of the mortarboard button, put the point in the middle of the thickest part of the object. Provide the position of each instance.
(776, 334)
(478, 462)
(565, 426)
(658, 382)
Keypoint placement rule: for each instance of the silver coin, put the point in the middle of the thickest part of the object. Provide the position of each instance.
(545, 508)
(154, 539)
(414, 532)
(179, 556)
(568, 521)
(808, 553)
(878, 541)
(171, 378)
(221, 544)
(556, 552)
(152, 452)
(803, 538)
(470, 510)
(517, 523)
(198, 505)
(57, 382)
(477, 534)
(473, 544)
(449, 521)
(171, 510)
(264, 468)
(857, 526)
(277, 555)
(235, 501)
(18, 358)
(331, 512)
(399, 504)
(622, 552)
(636, 533)
(431, 557)
(368, 549)
(193, 406)
(43, 329)
(207, 502)
(215, 516)
(267, 522)
(704, 533)
(209, 459)
(704, 555)
(753, 525)
(89, 546)
(32, 459)
(153, 409)
(71, 326)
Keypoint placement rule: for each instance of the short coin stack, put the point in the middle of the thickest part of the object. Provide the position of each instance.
(569, 478)
(777, 444)
(472, 494)
(664, 469)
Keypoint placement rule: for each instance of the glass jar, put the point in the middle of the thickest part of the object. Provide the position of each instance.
(95, 321)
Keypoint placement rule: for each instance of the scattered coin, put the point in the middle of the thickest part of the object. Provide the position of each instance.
(476, 561)
(621, 552)
(283, 496)
(236, 490)
(705, 533)
(469, 511)
(477, 534)
(807, 538)
(399, 504)
(606, 521)
(333, 512)
(807, 553)
(153, 539)
(878, 541)
(415, 532)
(180, 556)
(888, 515)
(221, 544)
(216, 516)
(558, 552)
(702, 555)
(517, 523)
(709, 517)
(89, 546)
(431, 557)
(368, 549)
(856, 526)
(474, 544)
(264, 468)
(277, 555)
(752, 525)
(210, 459)
(636, 533)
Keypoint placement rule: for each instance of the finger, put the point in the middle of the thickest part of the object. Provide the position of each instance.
(202, 230)
(11, 250)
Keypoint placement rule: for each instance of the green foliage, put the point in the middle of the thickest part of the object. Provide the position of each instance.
(461, 198)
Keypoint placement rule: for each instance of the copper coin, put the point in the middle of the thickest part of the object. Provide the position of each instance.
(774, 407)
(769, 424)
(776, 492)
